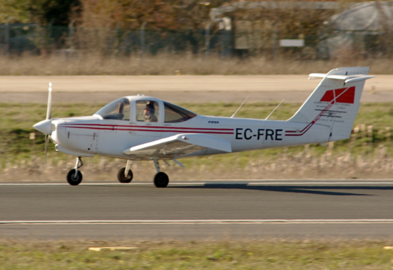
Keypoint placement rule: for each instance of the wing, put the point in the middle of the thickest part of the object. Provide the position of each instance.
(178, 145)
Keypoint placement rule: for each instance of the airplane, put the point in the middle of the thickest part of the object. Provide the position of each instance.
(147, 128)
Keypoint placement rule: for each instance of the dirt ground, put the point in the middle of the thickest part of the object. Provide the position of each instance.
(95, 89)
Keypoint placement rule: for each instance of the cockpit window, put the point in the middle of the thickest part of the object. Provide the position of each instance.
(147, 111)
(175, 114)
(118, 110)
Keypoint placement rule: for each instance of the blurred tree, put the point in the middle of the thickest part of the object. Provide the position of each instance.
(158, 14)
(14, 11)
(58, 12)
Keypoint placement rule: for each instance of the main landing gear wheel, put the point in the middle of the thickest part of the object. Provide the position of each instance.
(73, 179)
(161, 180)
(121, 176)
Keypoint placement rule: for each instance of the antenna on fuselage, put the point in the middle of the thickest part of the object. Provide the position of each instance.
(233, 115)
(267, 118)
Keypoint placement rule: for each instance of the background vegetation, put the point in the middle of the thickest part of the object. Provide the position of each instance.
(106, 26)
(168, 64)
(197, 255)
(83, 37)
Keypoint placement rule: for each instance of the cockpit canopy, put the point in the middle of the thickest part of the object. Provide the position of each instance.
(144, 109)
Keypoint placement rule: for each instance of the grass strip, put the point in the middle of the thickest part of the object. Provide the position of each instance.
(171, 64)
(196, 255)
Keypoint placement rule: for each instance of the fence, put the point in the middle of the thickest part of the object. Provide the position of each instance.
(19, 38)
(16, 39)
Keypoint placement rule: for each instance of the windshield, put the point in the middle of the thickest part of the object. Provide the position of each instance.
(118, 110)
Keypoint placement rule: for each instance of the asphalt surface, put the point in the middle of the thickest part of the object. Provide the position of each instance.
(256, 210)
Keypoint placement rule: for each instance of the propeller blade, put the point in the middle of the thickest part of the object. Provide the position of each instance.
(46, 148)
(49, 109)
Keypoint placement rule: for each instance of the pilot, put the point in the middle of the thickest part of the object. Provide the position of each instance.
(149, 112)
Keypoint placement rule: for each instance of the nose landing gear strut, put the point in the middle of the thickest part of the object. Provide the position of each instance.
(74, 176)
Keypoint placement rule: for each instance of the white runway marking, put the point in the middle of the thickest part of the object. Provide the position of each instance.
(200, 221)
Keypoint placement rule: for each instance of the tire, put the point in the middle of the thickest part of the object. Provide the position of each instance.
(122, 178)
(72, 180)
(161, 180)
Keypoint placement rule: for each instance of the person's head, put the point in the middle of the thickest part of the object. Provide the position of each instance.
(149, 109)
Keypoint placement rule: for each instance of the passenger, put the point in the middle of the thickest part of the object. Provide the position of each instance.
(149, 112)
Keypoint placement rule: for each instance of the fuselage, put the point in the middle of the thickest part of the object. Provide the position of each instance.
(94, 135)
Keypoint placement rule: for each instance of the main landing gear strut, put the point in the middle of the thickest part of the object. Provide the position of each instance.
(124, 175)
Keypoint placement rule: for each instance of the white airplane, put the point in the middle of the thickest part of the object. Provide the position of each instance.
(147, 128)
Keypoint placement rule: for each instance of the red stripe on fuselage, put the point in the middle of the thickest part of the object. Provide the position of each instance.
(304, 130)
(152, 127)
(149, 129)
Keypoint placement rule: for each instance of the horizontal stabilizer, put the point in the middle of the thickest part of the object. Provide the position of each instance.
(345, 78)
(179, 145)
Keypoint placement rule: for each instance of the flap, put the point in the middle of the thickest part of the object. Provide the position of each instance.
(179, 145)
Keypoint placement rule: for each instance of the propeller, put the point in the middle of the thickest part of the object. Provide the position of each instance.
(45, 126)
(48, 117)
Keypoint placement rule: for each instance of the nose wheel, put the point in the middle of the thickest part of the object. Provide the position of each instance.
(74, 176)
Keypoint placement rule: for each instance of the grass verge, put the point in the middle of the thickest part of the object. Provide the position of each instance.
(170, 64)
(196, 255)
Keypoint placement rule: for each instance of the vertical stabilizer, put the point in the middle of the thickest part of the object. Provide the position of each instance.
(335, 102)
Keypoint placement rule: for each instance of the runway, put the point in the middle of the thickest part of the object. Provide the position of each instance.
(194, 210)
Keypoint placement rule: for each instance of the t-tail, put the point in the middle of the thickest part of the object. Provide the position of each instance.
(335, 102)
